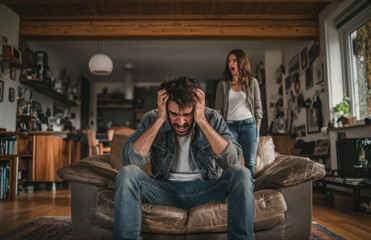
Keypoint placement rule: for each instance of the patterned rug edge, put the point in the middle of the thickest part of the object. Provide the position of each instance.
(60, 228)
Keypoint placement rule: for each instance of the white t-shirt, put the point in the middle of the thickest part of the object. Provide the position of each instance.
(237, 107)
(184, 167)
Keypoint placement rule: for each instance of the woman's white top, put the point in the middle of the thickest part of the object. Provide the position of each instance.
(237, 106)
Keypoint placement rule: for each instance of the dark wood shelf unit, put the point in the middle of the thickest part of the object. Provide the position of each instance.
(12, 133)
(25, 117)
(43, 88)
(116, 106)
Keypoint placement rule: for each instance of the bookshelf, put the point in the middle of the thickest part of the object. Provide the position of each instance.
(13, 152)
(36, 155)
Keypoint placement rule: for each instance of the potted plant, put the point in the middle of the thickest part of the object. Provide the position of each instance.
(342, 111)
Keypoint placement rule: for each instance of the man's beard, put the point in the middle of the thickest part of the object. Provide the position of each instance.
(185, 125)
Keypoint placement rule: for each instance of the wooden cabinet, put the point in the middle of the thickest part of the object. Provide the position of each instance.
(47, 157)
(52, 153)
(75, 149)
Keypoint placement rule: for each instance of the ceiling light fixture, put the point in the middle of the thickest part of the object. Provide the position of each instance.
(100, 64)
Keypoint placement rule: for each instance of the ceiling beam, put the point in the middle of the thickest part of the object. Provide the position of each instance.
(173, 17)
(35, 2)
(170, 29)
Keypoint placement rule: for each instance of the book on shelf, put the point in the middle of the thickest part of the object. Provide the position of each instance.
(4, 179)
(8, 145)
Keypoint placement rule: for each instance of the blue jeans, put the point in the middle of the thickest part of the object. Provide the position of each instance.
(246, 134)
(133, 186)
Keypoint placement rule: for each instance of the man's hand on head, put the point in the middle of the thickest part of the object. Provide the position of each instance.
(199, 112)
(162, 98)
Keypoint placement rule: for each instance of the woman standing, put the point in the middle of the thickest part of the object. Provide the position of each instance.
(238, 101)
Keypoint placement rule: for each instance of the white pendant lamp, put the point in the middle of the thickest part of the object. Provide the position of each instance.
(100, 64)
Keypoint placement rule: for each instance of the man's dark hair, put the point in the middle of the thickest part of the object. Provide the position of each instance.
(181, 90)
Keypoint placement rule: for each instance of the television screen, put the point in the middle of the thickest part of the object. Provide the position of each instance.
(354, 157)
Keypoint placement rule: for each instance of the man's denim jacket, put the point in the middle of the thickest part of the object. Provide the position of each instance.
(162, 152)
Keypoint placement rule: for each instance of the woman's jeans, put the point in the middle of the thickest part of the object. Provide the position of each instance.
(246, 134)
(133, 186)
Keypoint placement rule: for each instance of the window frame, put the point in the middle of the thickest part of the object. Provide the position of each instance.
(357, 21)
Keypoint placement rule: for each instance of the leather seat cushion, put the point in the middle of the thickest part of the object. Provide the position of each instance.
(155, 219)
(270, 207)
(94, 170)
(265, 155)
(163, 219)
(289, 170)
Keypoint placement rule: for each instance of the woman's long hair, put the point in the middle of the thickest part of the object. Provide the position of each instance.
(244, 69)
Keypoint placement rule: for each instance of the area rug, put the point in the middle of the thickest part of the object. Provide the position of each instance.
(60, 228)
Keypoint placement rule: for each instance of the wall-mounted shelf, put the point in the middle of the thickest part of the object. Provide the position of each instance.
(43, 88)
(25, 117)
(116, 106)
(350, 127)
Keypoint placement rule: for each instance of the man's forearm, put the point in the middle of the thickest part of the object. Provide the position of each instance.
(143, 143)
(217, 143)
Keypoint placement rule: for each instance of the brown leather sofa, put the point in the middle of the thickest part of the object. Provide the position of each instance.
(283, 200)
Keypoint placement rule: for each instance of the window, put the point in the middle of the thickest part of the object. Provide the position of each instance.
(360, 41)
(356, 46)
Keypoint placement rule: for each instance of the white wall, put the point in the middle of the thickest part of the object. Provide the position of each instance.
(9, 27)
(288, 54)
(332, 56)
(272, 60)
(57, 62)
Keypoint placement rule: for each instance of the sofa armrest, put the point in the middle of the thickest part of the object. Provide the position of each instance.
(289, 170)
(94, 170)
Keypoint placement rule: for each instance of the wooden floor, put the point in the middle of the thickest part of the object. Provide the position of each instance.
(337, 216)
(30, 206)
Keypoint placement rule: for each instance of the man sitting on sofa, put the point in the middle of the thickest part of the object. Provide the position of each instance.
(187, 144)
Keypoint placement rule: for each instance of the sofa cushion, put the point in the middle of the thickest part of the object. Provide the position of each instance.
(270, 207)
(92, 170)
(265, 155)
(155, 219)
(289, 170)
(117, 143)
(210, 217)
(163, 219)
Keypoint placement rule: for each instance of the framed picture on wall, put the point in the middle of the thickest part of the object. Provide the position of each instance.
(318, 73)
(309, 78)
(1, 90)
(321, 147)
(11, 94)
(12, 73)
(58, 110)
(312, 120)
(304, 58)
